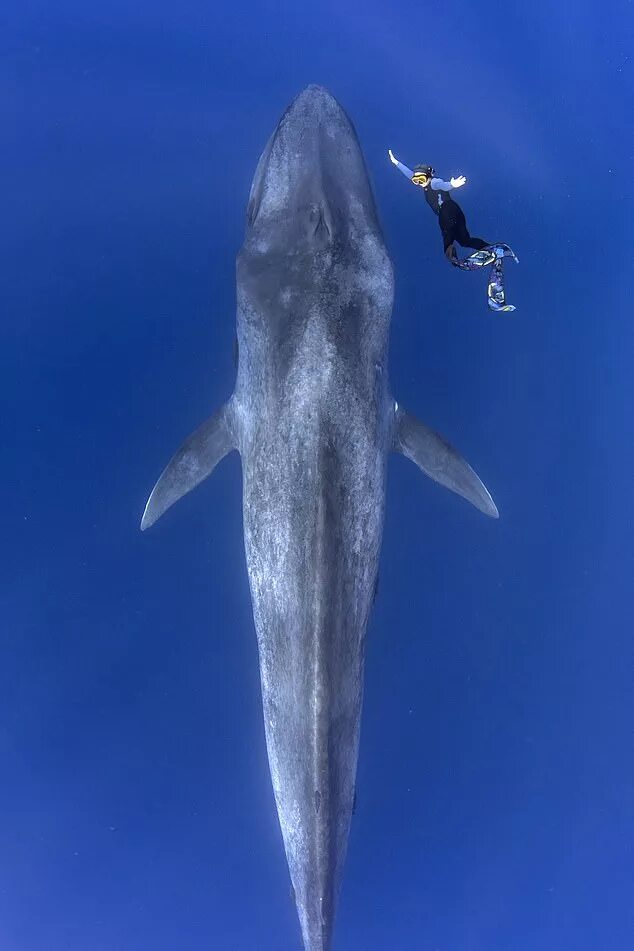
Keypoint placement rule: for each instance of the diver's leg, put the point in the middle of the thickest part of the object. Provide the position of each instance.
(465, 239)
(476, 243)
(447, 223)
(450, 248)
(453, 229)
(452, 255)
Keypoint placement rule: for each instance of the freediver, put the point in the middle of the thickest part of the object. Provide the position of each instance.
(450, 215)
(453, 227)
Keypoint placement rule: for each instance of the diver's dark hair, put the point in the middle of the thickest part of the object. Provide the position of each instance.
(428, 170)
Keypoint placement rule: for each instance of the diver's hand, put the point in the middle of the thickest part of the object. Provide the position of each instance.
(392, 158)
(457, 182)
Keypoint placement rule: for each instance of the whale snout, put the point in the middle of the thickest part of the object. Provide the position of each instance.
(311, 178)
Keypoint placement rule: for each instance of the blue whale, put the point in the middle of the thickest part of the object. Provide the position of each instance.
(314, 421)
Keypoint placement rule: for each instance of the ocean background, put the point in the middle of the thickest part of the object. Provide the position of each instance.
(496, 774)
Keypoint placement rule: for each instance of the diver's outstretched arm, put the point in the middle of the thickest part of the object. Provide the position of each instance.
(402, 168)
(441, 186)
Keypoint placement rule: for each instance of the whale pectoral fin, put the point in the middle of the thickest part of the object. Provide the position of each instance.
(191, 464)
(440, 461)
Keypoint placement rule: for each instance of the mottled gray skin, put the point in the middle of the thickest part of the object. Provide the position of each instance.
(315, 297)
(314, 422)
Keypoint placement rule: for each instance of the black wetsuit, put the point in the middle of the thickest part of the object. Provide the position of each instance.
(451, 219)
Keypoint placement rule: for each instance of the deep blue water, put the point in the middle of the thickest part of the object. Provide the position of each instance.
(496, 776)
